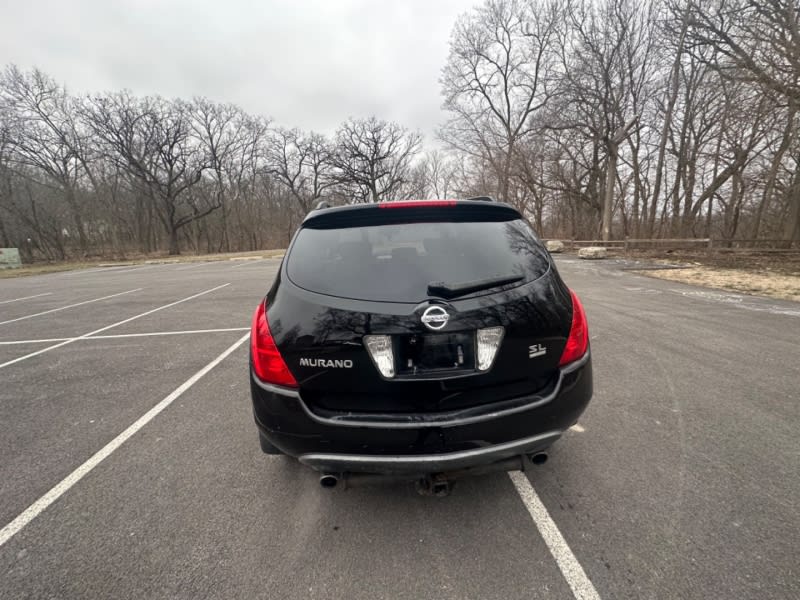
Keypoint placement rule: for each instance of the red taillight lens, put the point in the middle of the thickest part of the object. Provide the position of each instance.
(417, 203)
(578, 340)
(268, 363)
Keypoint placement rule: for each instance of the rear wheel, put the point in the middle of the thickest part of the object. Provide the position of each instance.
(266, 446)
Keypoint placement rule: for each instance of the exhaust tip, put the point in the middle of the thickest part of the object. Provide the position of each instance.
(328, 480)
(539, 458)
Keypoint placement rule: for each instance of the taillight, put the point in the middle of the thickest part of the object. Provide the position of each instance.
(417, 203)
(268, 363)
(578, 340)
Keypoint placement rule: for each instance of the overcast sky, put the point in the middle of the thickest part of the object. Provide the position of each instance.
(306, 63)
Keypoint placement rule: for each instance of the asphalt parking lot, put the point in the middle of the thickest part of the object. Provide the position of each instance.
(131, 469)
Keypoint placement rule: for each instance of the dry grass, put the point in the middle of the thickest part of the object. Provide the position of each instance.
(760, 283)
(753, 262)
(42, 268)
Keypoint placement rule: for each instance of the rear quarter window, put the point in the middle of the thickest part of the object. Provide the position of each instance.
(397, 262)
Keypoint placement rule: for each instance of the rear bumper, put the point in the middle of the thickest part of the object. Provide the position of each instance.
(408, 464)
(412, 444)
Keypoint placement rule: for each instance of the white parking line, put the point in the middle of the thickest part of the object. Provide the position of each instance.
(117, 268)
(81, 271)
(26, 298)
(135, 268)
(107, 327)
(35, 509)
(41, 341)
(122, 335)
(52, 310)
(94, 270)
(244, 263)
(194, 266)
(160, 333)
(570, 568)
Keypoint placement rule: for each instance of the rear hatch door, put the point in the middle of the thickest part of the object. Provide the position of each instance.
(419, 308)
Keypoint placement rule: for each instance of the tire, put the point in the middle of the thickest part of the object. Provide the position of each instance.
(266, 446)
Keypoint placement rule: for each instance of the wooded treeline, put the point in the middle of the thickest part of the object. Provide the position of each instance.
(604, 118)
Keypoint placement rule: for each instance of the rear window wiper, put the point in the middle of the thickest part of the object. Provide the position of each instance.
(452, 290)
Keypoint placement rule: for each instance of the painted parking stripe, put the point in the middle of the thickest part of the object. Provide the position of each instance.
(137, 268)
(107, 327)
(202, 264)
(80, 271)
(128, 268)
(35, 509)
(245, 263)
(569, 566)
(123, 335)
(60, 308)
(26, 298)
(95, 270)
(160, 333)
(40, 341)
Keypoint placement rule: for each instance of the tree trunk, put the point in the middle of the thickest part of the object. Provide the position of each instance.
(662, 144)
(709, 215)
(505, 176)
(608, 201)
(791, 226)
(174, 246)
(690, 182)
(4, 235)
(772, 174)
(638, 193)
(732, 208)
(77, 219)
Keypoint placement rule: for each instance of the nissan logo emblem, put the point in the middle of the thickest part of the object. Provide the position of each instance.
(435, 317)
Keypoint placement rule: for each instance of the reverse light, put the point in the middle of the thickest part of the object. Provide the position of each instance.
(417, 203)
(380, 349)
(489, 340)
(578, 340)
(268, 363)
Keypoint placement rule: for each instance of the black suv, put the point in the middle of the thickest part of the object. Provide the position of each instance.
(417, 338)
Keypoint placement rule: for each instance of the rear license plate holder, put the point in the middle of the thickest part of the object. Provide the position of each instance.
(420, 354)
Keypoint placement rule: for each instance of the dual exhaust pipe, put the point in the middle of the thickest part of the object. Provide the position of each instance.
(438, 484)
(328, 480)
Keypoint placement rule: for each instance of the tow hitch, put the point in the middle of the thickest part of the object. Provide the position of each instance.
(434, 485)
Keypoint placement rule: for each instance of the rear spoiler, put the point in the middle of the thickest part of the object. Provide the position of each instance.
(415, 211)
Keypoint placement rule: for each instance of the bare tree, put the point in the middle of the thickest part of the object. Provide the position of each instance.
(498, 76)
(150, 139)
(6, 186)
(221, 131)
(373, 158)
(439, 173)
(46, 137)
(757, 42)
(605, 63)
(303, 163)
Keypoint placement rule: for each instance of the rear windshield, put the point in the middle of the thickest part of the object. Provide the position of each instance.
(397, 263)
